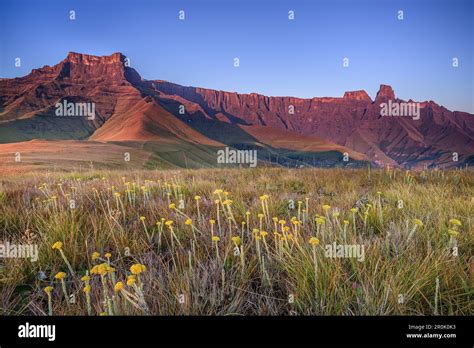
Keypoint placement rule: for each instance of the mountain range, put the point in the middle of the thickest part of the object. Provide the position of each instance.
(162, 124)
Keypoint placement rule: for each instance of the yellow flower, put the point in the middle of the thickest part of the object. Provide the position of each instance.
(137, 268)
(286, 229)
(212, 222)
(218, 191)
(215, 239)
(260, 216)
(418, 222)
(131, 280)
(60, 275)
(87, 289)
(172, 206)
(314, 241)
(455, 222)
(197, 198)
(335, 214)
(169, 223)
(346, 222)
(326, 207)
(85, 278)
(118, 286)
(95, 255)
(247, 213)
(263, 234)
(188, 222)
(142, 218)
(58, 245)
(453, 233)
(99, 269)
(275, 219)
(117, 194)
(236, 240)
(354, 210)
(282, 222)
(320, 220)
(48, 289)
(108, 255)
(227, 202)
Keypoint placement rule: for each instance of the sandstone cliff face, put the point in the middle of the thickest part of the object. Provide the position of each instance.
(78, 67)
(352, 121)
(385, 93)
(358, 95)
(79, 77)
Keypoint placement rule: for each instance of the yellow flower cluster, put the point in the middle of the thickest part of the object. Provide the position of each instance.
(418, 222)
(453, 233)
(118, 286)
(95, 255)
(236, 240)
(455, 222)
(131, 279)
(137, 268)
(102, 269)
(314, 241)
(60, 275)
(58, 245)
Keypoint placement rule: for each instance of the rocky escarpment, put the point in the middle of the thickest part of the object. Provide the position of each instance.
(353, 121)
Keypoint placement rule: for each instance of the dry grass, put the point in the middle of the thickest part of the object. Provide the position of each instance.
(407, 269)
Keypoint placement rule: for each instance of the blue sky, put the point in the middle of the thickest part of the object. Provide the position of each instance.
(300, 58)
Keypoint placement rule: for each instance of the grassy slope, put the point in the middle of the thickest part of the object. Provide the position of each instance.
(394, 264)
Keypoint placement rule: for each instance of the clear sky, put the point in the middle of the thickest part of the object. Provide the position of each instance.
(278, 57)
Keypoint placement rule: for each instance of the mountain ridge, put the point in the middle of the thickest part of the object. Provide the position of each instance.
(352, 123)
